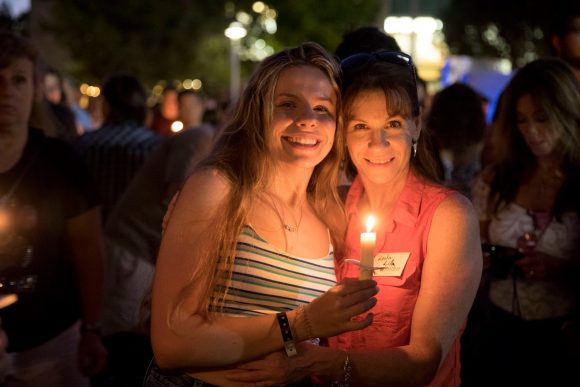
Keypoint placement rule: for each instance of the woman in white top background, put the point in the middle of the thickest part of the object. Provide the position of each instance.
(528, 201)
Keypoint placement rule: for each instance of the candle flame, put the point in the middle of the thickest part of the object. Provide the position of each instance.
(370, 223)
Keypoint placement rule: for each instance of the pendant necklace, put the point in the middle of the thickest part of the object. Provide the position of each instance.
(290, 227)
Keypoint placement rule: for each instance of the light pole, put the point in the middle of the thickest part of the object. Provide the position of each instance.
(235, 32)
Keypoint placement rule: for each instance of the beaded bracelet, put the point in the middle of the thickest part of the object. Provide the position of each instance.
(302, 312)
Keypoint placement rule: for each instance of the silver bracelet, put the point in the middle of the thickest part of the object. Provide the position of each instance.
(347, 368)
(347, 371)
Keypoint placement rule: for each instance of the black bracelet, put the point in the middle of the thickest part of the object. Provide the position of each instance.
(287, 337)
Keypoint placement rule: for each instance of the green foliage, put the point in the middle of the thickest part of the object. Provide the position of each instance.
(151, 39)
(211, 63)
(515, 30)
(178, 39)
(321, 21)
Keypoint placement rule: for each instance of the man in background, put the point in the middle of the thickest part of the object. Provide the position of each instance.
(565, 35)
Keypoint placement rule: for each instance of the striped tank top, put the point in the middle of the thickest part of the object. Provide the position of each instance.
(266, 280)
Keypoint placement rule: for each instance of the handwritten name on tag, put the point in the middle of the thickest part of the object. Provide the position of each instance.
(390, 264)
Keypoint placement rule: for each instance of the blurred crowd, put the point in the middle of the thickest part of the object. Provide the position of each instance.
(87, 187)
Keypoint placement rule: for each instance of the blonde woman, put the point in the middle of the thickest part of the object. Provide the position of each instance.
(246, 264)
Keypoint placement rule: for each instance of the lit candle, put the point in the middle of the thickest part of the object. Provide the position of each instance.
(367, 246)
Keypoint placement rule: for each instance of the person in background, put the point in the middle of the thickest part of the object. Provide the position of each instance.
(53, 86)
(427, 258)
(133, 235)
(51, 246)
(116, 151)
(528, 209)
(457, 122)
(60, 116)
(95, 110)
(369, 39)
(425, 98)
(165, 112)
(365, 39)
(565, 35)
(73, 99)
(191, 109)
(246, 264)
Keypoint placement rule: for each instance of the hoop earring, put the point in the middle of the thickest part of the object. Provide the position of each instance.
(414, 146)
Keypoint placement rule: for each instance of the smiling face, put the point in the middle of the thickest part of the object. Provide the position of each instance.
(379, 144)
(304, 117)
(535, 127)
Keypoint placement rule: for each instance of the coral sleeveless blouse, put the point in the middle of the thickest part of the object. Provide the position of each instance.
(408, 232)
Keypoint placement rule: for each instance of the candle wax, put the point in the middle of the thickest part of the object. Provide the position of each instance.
(367, 245)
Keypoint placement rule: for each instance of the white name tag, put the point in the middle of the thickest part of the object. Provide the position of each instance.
(390, 264)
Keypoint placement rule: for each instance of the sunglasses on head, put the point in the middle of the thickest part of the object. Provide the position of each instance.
(357, 60)
(394, 57)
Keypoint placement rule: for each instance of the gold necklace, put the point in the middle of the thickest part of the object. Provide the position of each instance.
(290, 227)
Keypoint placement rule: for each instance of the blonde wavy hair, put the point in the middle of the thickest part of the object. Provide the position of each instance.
(242, 156)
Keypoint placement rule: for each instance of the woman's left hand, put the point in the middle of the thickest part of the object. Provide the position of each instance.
(275, 369)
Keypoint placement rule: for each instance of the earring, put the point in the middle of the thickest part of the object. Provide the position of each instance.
(414, 146)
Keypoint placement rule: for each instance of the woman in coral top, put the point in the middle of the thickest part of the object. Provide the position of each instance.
(427, 255)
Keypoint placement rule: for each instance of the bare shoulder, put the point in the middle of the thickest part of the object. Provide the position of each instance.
(207, 184)
(456, 211)
(454, 233)
(202, 193)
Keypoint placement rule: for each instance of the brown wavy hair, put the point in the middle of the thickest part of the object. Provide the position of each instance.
(552, 84)
(398, 83)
